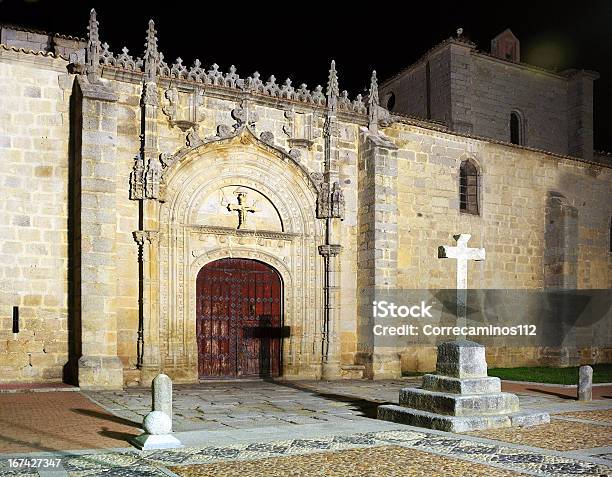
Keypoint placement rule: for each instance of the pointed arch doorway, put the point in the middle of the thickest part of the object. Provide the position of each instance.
(239, 319)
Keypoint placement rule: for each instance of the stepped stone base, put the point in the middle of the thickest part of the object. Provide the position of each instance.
(446, 384)
(430, 420)
(461, 405)
(460, 397)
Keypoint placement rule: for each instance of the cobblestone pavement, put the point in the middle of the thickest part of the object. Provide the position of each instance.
(414, 451)
(601, 416)
(376, 461)
(560, 435)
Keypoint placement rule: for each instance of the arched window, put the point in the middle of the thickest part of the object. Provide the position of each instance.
(516, 129)
(468, 188)
(390, 101)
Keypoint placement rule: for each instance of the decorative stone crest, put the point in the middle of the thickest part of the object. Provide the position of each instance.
(300, 129)
(183, 107)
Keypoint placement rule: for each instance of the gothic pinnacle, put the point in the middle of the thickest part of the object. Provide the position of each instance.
(93, 48)
(92, 28)
(332, 82)
(151, 44)
(373, 96)
(151, 55)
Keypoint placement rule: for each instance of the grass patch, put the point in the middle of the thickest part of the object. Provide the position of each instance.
(602, 373)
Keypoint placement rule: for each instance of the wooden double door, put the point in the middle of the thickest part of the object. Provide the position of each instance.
(239, 319)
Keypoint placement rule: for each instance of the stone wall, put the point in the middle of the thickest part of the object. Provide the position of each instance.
(137, 260)
(499, 87)
(516, 186)
(34, 131)
(475, 93)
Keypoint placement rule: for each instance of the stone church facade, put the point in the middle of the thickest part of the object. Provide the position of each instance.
(142, 200)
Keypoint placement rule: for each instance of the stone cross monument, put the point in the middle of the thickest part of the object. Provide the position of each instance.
(462, 253)
(460, 397)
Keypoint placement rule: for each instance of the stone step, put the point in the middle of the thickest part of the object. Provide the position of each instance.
(352, 371)
(459, 404)
(440, 422)
(446, 384)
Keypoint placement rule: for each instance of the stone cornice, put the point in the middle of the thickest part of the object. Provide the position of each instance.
(214, 230)
(98, 91)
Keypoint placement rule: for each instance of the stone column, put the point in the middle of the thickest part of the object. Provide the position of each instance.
(94, 233)
(377, 254)
(331, 364)
(561, 231)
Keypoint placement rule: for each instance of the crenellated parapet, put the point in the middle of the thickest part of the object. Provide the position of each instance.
(100, 56)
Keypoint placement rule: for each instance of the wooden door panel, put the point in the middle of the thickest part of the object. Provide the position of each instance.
(238, 319)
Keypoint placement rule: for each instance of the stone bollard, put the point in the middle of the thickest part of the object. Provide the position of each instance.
(162, 394)
(585, 383)
(157, 424)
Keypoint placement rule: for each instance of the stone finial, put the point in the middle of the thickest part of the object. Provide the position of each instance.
(585, 383)
(151, 56)
(333, 90)
(373, 103)
(373, 95)
(93, 48)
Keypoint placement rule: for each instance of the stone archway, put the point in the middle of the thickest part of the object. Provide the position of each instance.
(196, 226)
(239, 319)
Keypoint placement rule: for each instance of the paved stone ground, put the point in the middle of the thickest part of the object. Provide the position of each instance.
(247, 404)
(305, 429)
(31, 422)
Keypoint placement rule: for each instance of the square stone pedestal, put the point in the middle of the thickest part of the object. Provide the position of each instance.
(460, 397)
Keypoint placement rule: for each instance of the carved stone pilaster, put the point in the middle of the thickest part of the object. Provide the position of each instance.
(148, 323)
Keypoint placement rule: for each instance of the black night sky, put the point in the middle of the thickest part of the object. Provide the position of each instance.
(298, 39)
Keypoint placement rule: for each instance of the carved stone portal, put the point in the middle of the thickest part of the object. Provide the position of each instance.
(197, 225)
